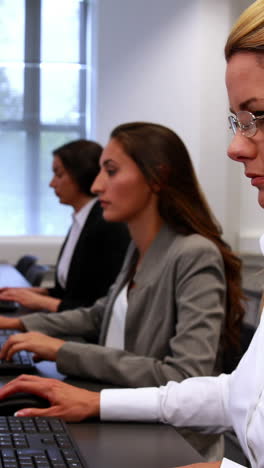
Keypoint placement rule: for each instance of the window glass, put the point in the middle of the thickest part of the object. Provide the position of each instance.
(60, 38)
(12, 24)
(59, 94)
(43, 88)
(11, 92)
(13, 189)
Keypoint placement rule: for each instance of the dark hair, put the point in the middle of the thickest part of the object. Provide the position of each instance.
(81, 159)
(165, 162)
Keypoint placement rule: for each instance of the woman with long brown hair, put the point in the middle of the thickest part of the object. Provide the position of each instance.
(177, 298)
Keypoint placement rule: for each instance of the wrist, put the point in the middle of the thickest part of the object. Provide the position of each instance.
(54, 304)
(16, 324)
(49, 303)
(93, 404)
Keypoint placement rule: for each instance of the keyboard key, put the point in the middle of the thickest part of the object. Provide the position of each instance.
(37, 443)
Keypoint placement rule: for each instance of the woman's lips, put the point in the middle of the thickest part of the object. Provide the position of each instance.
(256, 181)
(104, 203)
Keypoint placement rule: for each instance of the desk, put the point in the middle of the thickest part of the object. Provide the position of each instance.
(131, 445)
(10, 276)
(122, 445)
(125, 445)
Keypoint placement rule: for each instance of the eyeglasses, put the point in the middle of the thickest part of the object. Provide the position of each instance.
(246, 122)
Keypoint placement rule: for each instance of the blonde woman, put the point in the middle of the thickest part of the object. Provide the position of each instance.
(212, 404)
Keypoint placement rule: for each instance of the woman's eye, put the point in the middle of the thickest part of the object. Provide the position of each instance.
(111, 172)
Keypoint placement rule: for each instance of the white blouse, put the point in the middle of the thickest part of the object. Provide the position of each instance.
(208, 404)
(115, 337)
(78, 222)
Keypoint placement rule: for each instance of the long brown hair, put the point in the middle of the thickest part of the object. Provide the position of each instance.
(165, 162)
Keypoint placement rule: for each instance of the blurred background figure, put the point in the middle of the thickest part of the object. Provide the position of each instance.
(92, 253)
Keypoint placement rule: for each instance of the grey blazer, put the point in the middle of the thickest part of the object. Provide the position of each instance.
(174, 319)
(173, 323)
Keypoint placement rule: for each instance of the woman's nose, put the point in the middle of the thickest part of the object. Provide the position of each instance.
(242, 148)
(98, 184)
(51, 184)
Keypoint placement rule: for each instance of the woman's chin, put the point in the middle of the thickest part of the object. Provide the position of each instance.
(111, 217)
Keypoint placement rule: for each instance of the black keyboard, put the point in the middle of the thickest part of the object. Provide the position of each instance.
(37, 443)
(21, 361)
(8, 306)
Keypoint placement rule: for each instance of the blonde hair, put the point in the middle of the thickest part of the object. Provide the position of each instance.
(247, 34)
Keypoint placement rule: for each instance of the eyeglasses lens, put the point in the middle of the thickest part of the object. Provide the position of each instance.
(244, 121)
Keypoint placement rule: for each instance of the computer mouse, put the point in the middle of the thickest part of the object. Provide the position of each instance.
(18, 401)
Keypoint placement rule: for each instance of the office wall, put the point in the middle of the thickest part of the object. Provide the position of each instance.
(163, 61)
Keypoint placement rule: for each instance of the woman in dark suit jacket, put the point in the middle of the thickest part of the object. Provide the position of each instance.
(93, 251)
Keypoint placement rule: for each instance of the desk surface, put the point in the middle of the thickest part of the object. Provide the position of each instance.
(132, 445)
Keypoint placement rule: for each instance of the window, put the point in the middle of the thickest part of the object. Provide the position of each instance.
(44, 90)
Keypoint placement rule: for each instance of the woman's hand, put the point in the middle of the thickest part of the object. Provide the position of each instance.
(43, 346)
(70, 403)
(29, 298)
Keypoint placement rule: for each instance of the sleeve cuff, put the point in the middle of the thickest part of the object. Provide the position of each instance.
(230, 464)
(130, 404)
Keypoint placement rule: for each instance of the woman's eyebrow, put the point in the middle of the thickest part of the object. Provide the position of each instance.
(107, 161)
(246, 104)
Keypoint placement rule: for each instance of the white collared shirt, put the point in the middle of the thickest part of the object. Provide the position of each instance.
(79, 220)
(213, 404)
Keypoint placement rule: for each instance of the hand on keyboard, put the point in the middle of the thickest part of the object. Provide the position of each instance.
(67, 402)
(20, 362)
(24, 296)
(43, 346)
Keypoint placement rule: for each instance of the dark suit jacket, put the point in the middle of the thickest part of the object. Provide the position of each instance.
(95, 263)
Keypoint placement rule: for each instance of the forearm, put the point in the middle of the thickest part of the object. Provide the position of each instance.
(119, 367)
(11, 323)
(197, 402)
(49, 303)
(83, 322)
(40, 290)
